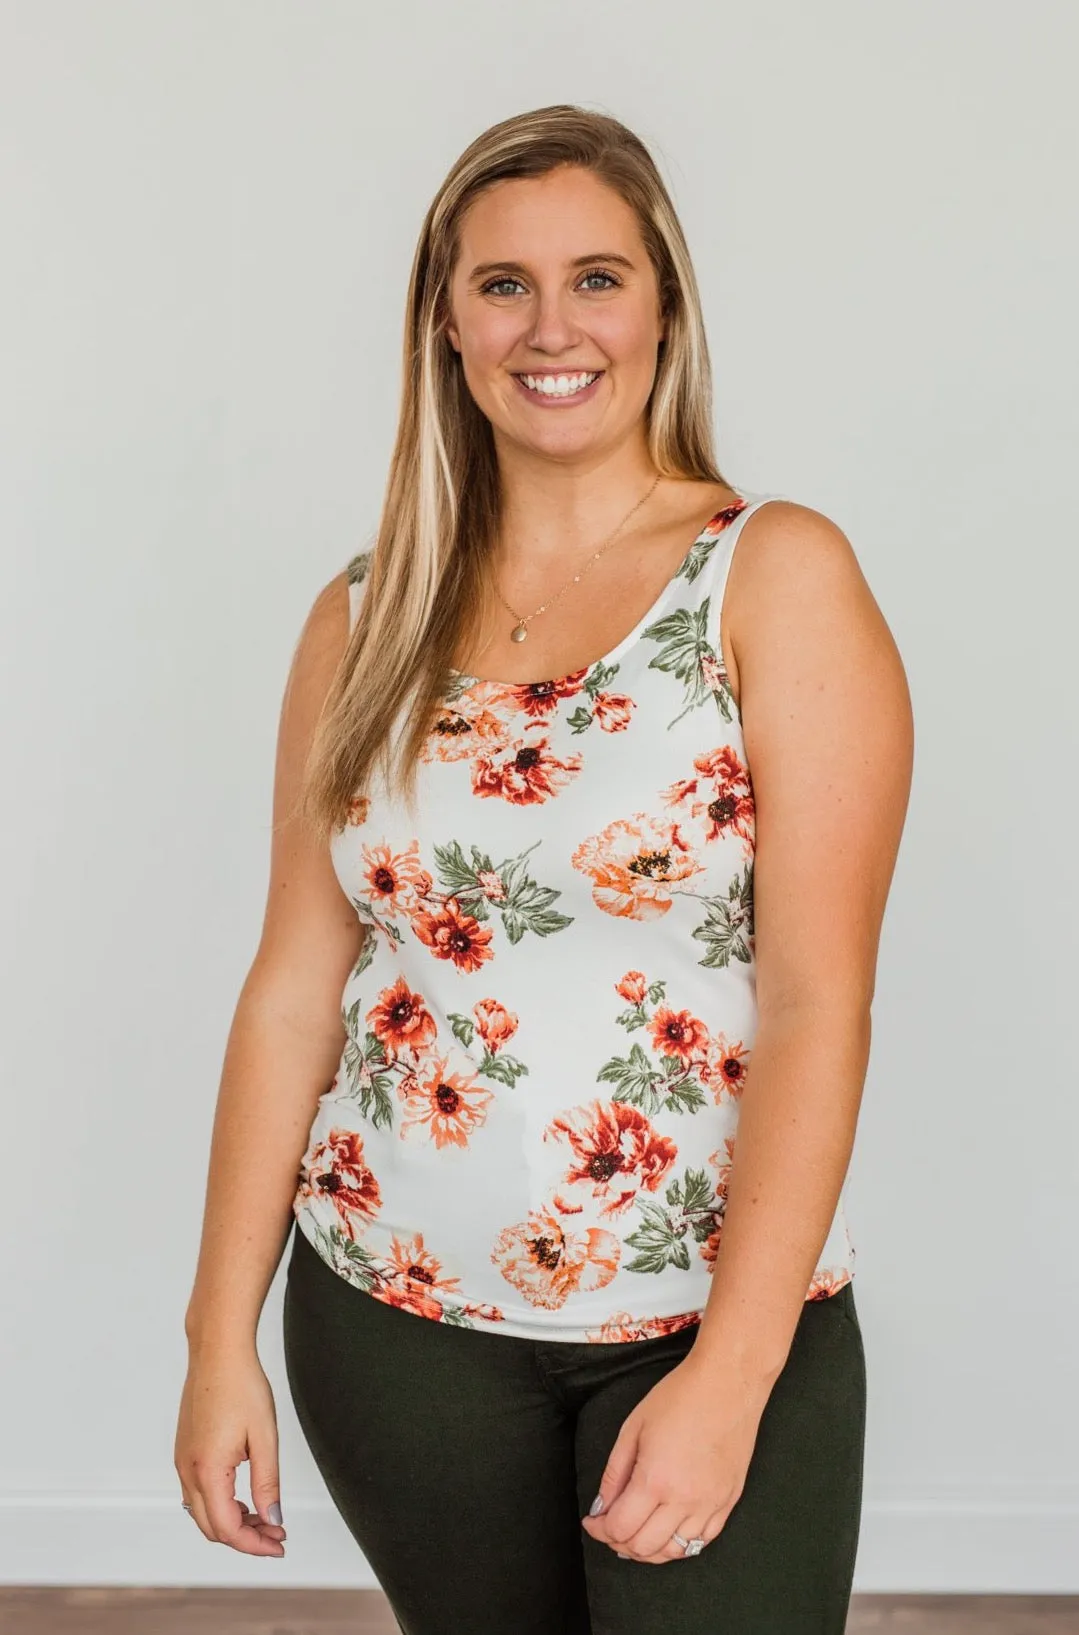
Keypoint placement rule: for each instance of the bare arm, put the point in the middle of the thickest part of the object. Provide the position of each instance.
(829, 740)
(286, 1035)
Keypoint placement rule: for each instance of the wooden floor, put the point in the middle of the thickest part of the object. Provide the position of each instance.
(364, 1612)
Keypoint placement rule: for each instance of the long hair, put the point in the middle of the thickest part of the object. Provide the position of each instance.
(426, 578)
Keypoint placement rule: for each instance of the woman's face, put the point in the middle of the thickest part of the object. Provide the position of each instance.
(553, 280)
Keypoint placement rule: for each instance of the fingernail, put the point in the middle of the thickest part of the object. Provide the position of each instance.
(621, 1557)
(274, 1513)
(596, 1506)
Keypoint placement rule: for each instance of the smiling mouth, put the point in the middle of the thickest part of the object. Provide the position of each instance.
(563, 385)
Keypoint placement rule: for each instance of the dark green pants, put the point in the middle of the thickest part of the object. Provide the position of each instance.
(462, 1461)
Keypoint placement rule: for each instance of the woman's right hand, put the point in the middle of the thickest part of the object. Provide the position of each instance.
(227, 1415)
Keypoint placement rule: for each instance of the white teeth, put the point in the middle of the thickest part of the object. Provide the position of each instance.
(559, 385)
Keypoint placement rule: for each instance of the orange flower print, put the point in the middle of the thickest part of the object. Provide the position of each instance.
(413, 1272)
(569, 901)
(547, 1263)
(710, 1246)
(524, 772)
(358, 808)
(678, 1033)
(724, 518)
(337, 1170)
(538, 699)
(633, 987)
(612, 710)
(827, 1282)
(727, 807)
(634, 863)
(394, 879)
(447, 1105)
(494, 1023)
(726, 1068)
(615, 1154)
(723, 1162)
(679, 790)
(461, 730)
(624, 1327)
(401, 1021)
(453, 934)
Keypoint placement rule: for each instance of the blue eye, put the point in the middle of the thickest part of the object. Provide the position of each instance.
(599, 272)
(595, 272)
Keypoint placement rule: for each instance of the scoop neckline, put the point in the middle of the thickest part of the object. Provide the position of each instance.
(465, 683)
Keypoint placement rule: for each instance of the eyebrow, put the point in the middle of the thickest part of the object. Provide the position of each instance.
(612, 256)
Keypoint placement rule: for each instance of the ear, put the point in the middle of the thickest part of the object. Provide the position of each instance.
(453, 337)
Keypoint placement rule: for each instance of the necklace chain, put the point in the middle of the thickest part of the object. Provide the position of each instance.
(519, 631)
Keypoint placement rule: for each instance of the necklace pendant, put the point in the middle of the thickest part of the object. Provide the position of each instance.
(518, 633)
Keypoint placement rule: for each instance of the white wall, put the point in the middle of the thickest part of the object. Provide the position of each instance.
(209, 209)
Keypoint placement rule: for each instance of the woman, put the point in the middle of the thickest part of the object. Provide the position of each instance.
(538, 949)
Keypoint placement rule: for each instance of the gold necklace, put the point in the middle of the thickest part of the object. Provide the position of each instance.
(519, 631)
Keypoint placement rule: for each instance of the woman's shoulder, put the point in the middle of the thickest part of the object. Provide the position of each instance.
(792, 548)
(793, 573)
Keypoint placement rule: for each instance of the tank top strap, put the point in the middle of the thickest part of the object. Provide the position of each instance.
(706, 568)
(715, 569)
(356, 574)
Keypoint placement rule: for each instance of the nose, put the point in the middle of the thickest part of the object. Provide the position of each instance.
(552, 328)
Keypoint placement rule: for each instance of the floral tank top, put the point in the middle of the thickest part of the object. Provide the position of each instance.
(534, 1117)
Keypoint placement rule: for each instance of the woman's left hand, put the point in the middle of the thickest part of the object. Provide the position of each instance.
(679, 1462)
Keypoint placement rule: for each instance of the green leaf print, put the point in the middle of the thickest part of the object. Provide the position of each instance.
(513, 872)
(367, 954)
(369, 1085)
(480, 886)
(506, 1069)
(650, 1086)
(660, 1241)
(599, 677)
(367, 914)
(684, 1097)
(350, 1260)
(699, 553)
(638, 1080)
(530, 910)
(459, 877)
(455, 687)
(684, 645)
(692, 1209)
(697, 1198)
(635, 1017)
(721, 692)
(727, 932)
(456, 1317)
(528, 905)
(463, 1027)
(356, 570)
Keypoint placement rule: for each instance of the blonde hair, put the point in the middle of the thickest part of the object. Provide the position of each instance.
(425, 578)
